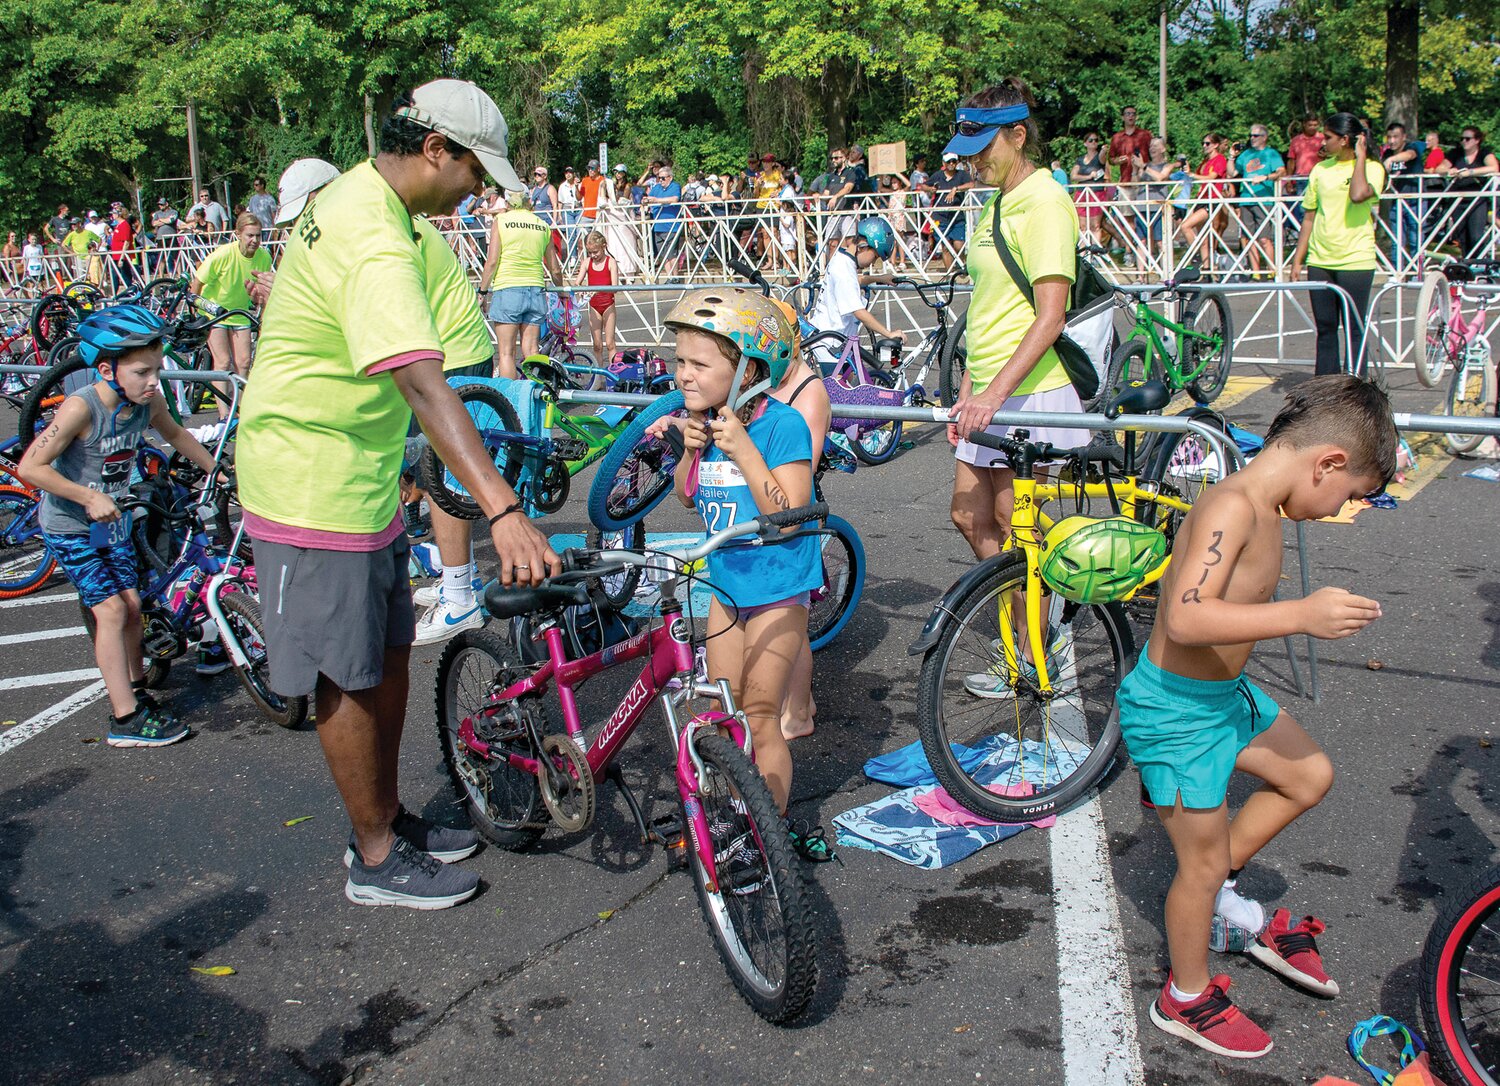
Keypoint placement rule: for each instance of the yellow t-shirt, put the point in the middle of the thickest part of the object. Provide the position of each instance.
(1343, 234)
(455, 307)
(1040, 226)
(320, 442)
(223, 273)
(523, 247)
(79, 241)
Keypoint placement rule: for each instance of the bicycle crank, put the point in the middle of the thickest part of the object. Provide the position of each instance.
(567, 784)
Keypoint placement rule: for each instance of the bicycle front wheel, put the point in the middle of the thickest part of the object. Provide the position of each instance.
(619, 587)
(493, 416)
(1471, 394)
(1000, 746)
(843, 582)
(242, 612)
(880, 445)
(758, 912)
(953, 363)
(49, 392)
(1183, 465)
(1429, 337)
(1210, 318)
(1460, 996)
(26, 562)
(1128, 365)
(636, 472)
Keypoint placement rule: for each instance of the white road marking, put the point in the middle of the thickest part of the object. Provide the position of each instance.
(41, 635)
(1098, 1014)
(33, 601)
(14, 737)
(51, 678)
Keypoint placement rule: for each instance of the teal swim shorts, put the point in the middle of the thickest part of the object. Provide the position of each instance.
(1185, 734)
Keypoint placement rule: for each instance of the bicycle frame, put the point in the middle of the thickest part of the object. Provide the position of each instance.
(669, 655)
(1462, 334)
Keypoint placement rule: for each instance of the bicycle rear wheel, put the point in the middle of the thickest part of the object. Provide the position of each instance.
(1183, 465)
(1429, 337)
(758, 912)
(493, 416)
(1471, 394)
(1460, 993)
(843, 582)
(880, 445)
(619, 587)
(504, 801)
(50, 390)
(953, 363)
(1209, 316)
(242, 612)
(26, 562)
(1020, 755)
(636, 473)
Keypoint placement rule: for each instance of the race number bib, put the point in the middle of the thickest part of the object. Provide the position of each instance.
(109, 533)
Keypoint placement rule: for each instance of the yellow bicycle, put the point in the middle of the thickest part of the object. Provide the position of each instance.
(1015, 703)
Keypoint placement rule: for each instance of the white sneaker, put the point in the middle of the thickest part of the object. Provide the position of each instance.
(997, 680)
(432, 595)
(445, 620)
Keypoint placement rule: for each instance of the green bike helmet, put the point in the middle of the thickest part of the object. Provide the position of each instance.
(1087, 560)
(749, 320)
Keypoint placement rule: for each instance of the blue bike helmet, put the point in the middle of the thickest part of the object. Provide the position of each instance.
(878, 235)
(112, 331)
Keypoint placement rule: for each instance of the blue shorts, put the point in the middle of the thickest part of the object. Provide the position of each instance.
(1185, 734)
(955, 229)
(518, 305)
(97, 572)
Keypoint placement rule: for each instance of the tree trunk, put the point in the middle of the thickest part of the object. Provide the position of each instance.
(1401, 37)
(838, 93)
(370, 124)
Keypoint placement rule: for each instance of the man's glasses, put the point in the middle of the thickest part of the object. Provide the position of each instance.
(1257, 135)
(1090, 141)
(1469, 139)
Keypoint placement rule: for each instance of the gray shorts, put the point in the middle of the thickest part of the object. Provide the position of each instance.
(333, 613)
(1251, 218)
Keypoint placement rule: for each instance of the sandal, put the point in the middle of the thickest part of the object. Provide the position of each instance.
(809, 842)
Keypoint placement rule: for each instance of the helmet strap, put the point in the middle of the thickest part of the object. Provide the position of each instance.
(741, 399)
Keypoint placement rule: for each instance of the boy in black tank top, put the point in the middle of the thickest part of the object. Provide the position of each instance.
(82, 462)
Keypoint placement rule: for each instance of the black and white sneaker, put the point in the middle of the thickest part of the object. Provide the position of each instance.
(148, 726)
(212, 659)
(442, 843)
(411, 878)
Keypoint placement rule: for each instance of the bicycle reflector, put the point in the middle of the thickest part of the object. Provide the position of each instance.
(1090, 560)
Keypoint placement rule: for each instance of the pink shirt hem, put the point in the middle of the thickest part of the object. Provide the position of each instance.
(395, 362)
(315, 539)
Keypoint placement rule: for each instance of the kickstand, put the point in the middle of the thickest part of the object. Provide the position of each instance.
(649, 834)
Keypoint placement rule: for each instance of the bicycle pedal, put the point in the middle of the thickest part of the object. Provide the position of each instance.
(570, 448)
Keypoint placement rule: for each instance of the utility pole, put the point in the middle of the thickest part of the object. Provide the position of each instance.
(192, 137)
(1161, 82)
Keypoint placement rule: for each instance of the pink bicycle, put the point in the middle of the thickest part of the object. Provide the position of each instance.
(1445, 337)
(517, 773)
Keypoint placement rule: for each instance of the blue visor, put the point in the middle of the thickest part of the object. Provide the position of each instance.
(979, 127)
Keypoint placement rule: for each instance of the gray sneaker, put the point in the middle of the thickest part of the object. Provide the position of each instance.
(442, 843)
(411, 878)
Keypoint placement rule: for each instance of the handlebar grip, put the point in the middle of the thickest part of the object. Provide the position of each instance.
(574, 560)
(788, 517)
(992, 441)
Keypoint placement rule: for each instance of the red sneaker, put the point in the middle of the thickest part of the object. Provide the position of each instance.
(1211, 1022)
(1291, 951)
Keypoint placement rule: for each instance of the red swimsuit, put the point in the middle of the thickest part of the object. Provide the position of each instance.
(601, 277)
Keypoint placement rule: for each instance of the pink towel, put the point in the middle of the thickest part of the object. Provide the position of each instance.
(938, 804)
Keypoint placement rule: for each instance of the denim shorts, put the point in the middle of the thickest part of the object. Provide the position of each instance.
(1184, 734)
(518, 305)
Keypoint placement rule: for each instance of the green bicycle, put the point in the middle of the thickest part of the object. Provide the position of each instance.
(1192, 356)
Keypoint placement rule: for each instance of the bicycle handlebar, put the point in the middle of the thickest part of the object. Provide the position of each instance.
(767, 526)
(819, 337)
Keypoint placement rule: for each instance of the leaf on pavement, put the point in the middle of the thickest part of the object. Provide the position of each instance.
(214, 970)
(606, 914)
(963, 1028)
(295, 821)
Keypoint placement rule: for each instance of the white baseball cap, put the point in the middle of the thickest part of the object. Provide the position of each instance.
(461, 111)
(949, 156)
(298, 182)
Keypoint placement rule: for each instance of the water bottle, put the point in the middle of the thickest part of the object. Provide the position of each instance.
(1227, 938)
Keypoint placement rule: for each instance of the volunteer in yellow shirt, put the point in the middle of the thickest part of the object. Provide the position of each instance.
(521, 253)
(1011, 363)
(349, 350)
(1337, 242)
(221, 279)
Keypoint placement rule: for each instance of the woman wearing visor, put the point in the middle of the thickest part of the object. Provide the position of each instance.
(1011, 362)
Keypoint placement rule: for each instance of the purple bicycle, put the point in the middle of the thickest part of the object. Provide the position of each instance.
(517, 773)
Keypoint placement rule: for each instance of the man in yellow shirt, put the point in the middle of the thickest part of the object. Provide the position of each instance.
(349, 350)
(520, 253)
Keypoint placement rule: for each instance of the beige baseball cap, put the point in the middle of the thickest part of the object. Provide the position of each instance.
(460, 110)
(298, 182)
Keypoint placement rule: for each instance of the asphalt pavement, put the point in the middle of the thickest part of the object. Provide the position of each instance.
(586, 959)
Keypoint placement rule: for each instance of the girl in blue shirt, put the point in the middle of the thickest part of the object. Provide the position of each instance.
(747, 454)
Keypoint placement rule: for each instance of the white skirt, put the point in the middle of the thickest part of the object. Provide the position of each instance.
(1060, 400)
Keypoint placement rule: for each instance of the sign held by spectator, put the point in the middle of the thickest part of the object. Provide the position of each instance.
(887, 158)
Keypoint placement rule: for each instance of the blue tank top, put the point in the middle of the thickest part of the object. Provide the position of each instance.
(101, 459)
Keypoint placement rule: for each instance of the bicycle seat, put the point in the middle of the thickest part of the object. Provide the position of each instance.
(1139, 398)
(503, 602)
(543, 371)
(1185, 276)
